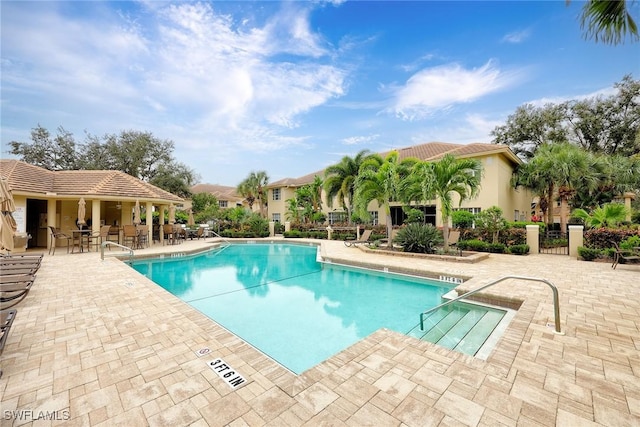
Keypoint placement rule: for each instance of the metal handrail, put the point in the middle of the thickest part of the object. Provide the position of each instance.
(556, 304)
(104, 245)
(219, 236)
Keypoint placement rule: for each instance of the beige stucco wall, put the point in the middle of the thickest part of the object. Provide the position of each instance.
(495, 190)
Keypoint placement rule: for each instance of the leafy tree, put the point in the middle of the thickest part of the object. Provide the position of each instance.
(293, 213)
(205, 207)
(253, 189)
(443, 178)
(381, 180)
(608, 21)
(340, 181)
(462, 219)
(609, 215)
(609, 125)
(136, 153)
(530, 127)
(491, 221)
(176, 178)
(57, 153)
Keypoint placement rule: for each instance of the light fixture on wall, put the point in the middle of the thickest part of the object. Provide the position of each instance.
(118, 206)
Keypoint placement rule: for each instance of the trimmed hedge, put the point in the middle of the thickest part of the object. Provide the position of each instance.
(601, 238)
(589, 254)
(518, 249)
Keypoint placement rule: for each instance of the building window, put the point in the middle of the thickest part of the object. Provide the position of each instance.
(474, 211)
(222, 203)
(275, 217)
(276, 194)
(374, 217)
(337, 217)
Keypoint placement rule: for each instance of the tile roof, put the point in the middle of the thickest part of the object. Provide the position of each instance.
(426, 151)
(222, 192)
(30, 179)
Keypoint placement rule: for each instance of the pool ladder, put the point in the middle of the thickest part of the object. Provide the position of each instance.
(556, 304)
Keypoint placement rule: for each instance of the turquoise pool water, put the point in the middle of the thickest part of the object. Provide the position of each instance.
(282, 301)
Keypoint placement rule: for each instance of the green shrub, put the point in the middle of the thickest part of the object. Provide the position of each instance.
(519, 249)
(462, 219)
(601, 238)
(473, 245)
(630, 242)
(419, 238)
(497, 248)
(589, 254)
(292, 234)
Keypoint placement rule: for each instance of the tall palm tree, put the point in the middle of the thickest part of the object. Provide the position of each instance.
(443, 178)
(608, 21)
(382, 180)
(253, 189)
(340, 181)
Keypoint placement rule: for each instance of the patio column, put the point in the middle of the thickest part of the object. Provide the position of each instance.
(161, 223)
(628, 197)
(95, 215)
(51, 219)
(576, 239)
(533, 239)
(149, 221)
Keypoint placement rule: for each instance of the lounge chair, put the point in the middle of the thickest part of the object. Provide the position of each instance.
(13, 293)
(18, 259)
(6, 321)
(623, 254)
(364, 239)
(13, 278)
(454, 236)
(13, 269)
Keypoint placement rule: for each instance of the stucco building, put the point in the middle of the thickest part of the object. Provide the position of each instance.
(498, 164)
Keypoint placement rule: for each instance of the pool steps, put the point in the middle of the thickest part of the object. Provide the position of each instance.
(460, 327)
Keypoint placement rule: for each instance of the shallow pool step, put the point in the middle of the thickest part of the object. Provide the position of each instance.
(461, 327)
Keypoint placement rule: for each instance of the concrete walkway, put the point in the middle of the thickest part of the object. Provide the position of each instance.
(97, 344)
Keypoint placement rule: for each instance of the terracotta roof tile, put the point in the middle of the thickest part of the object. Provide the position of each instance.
(222, 192)
(426, 151)
(27, 178)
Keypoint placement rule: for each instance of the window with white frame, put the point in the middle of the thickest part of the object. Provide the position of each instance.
(222, 203)
(374, 217)
(275, 217)
(276, 194)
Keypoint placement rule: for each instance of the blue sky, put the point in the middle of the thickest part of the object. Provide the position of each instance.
(290, 88)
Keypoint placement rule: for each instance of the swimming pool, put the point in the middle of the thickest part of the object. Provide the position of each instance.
(281, 300)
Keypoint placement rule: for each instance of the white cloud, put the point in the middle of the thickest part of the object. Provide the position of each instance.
(439, 88)
(357, 140)
(541, 102)
(517, 36)
(182, 69)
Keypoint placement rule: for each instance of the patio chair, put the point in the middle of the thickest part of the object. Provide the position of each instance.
(56, 234)
(454, 237)
(169, 235)
(130, 235)
(364, 239)
(623, 254)
(97, 238)
(6, 321)
(143, 236)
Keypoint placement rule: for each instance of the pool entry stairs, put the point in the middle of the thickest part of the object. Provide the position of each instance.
(460, 327)
(465, 327)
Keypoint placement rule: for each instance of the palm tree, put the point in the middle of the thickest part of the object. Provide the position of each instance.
(443, 178)
(608, 21)
(253, 189)
(340, 181)
(382, 180)
(609, 215)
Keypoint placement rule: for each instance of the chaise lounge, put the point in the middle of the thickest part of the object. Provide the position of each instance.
(365, 239)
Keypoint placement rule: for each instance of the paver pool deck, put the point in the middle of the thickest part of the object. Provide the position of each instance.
(97, 344)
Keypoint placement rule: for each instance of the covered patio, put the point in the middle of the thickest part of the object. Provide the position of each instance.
(46, 199)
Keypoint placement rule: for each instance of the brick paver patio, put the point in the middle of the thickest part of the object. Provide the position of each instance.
(97, 344)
